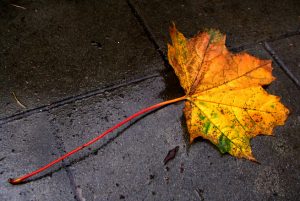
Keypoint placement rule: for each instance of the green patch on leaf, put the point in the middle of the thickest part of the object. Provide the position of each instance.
(206, 127)
(202, 117)
(224, 144)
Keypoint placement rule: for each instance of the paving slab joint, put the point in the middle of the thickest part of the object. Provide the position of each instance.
(269, 39)
(282, 65)
(147, 30)
(72, 99)
(60, 146)
(284, 36)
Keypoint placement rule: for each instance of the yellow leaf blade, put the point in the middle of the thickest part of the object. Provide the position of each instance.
(235, 118)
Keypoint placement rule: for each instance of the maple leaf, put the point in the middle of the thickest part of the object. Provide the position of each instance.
(226, 103)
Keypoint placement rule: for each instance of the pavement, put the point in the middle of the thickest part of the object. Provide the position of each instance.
(79, 67)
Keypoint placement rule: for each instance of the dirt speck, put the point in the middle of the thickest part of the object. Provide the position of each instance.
(151, 176)
(181, 168)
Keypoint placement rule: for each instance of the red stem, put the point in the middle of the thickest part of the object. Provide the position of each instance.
(22, 178)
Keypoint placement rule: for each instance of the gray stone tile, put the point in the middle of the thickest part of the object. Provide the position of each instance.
(244, 22)
(288, 50)
(47, 51)
(129, 162)
(26, 145)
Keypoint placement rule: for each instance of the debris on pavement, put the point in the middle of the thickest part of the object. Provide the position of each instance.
(17, 100)
(171, 155)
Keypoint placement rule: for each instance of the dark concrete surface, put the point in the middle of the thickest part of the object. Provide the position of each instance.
(49, 51)
(64, 62)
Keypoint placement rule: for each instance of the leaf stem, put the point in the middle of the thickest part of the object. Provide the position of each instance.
(143, 111)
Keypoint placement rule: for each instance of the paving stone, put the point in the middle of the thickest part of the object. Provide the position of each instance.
(288, 50)
(244, 22)
(26, 145)
(129, 163)
(57, 49)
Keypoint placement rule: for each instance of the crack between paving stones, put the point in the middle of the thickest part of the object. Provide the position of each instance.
(135, 12)
(73, 99)
(283, 36)
(267, 39)
(62, 150)
(281, 64)
(77, 196)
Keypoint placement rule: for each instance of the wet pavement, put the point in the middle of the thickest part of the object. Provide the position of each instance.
(80, 67)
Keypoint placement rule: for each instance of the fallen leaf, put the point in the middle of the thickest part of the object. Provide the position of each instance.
(226, 103)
